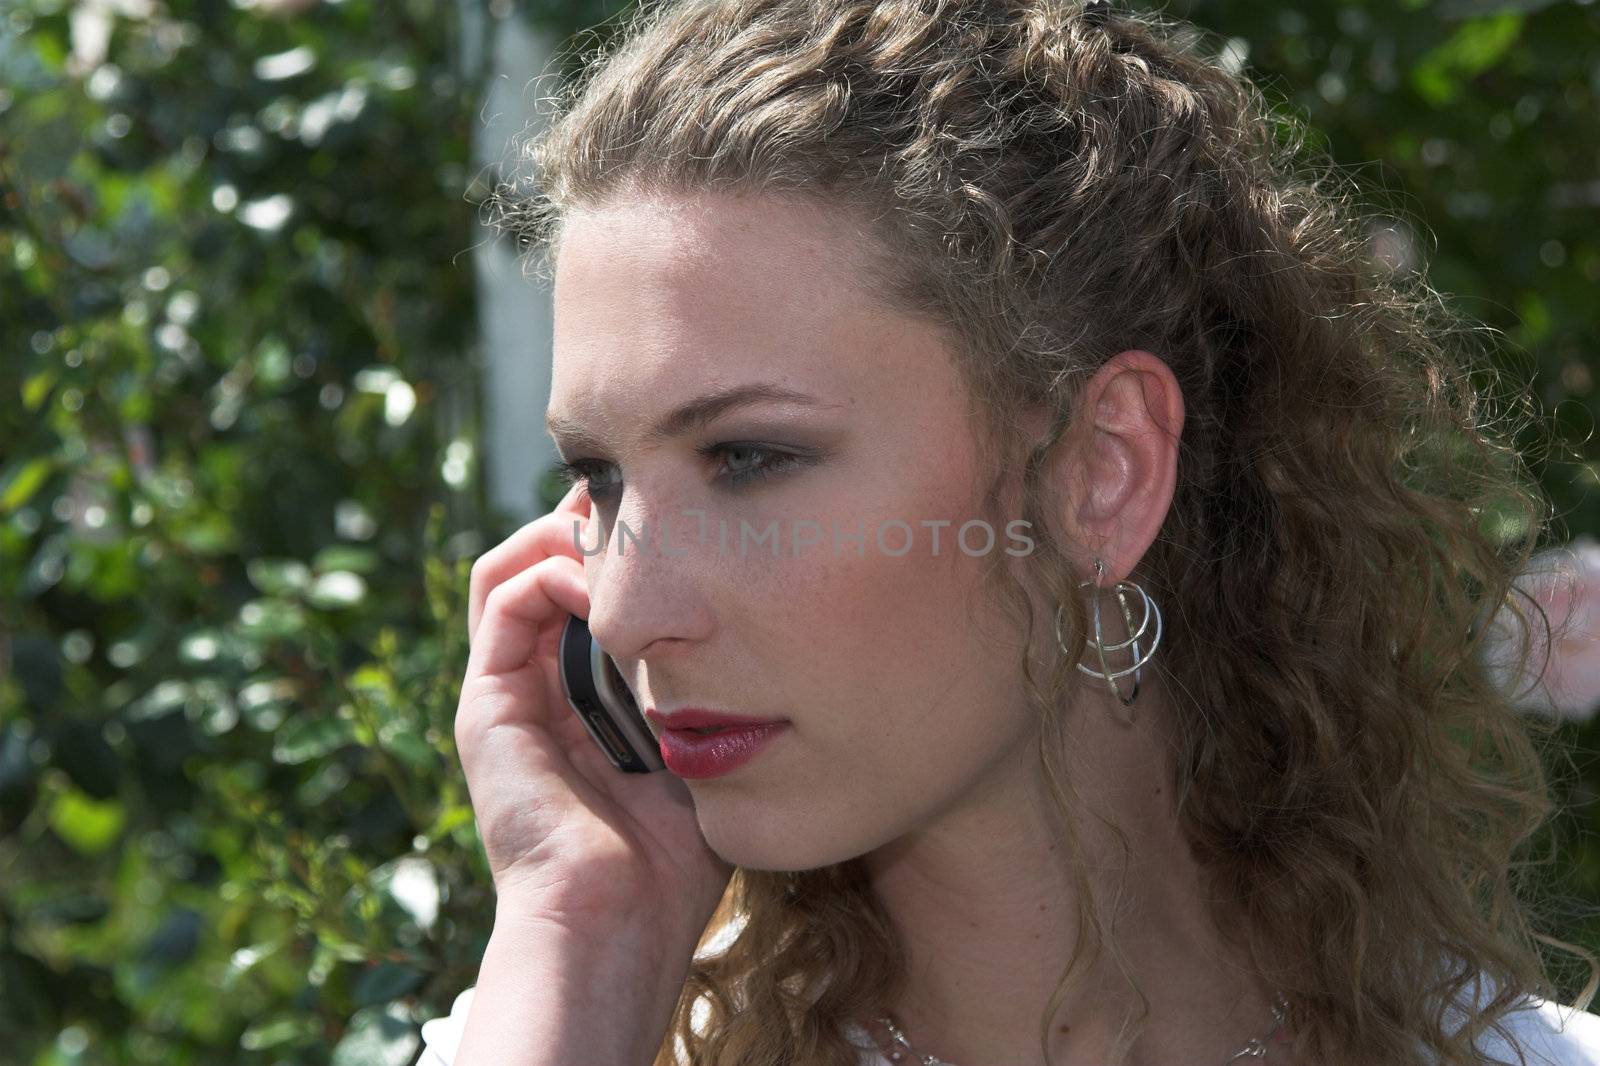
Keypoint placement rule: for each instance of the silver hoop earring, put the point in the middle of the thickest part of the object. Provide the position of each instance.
(1140, 657)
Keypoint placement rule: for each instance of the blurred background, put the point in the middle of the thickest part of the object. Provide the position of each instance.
(268, 385)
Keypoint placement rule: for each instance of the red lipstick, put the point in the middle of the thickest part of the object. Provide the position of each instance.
(737, 740)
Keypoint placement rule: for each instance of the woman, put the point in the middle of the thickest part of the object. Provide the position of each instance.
(1174, 749)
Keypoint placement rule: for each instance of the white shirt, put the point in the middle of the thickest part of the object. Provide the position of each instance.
(1550, 1034)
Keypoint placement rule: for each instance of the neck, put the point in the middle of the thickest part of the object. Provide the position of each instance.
(985, 901)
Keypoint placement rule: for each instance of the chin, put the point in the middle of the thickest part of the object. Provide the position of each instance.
(773, 841)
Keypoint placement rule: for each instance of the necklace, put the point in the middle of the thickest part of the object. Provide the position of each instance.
(1254, 1049)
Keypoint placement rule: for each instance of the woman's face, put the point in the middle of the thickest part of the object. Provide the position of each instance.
(900, 683)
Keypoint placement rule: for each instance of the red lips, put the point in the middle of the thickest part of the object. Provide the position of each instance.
(689, 754)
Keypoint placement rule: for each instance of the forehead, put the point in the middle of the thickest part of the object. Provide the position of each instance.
(706, 287)
(722, 241)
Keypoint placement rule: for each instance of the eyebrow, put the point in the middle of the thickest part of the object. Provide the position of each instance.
(694, 414)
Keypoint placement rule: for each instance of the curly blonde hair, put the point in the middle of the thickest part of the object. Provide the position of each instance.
(1053, 189)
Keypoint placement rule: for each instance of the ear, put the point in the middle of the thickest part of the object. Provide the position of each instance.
(1118, 463)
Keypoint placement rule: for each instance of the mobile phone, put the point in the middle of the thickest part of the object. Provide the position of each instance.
(602, 702)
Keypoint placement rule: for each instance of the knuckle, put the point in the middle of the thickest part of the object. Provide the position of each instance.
(468, 724)
(474, 715)
(481, 566)
(504, 595)
(494, 603)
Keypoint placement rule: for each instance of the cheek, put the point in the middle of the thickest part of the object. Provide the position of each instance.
(901, 649)
(874, 640)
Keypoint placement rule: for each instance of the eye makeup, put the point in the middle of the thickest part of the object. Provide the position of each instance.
(770, 461)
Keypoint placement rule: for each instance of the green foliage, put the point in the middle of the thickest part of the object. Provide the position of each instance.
(240, 333)
(237, 501)
(1472, 125)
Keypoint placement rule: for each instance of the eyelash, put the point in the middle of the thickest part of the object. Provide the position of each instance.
(572, 471)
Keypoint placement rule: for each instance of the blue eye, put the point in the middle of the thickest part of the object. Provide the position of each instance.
(572, 471)
(740, 472)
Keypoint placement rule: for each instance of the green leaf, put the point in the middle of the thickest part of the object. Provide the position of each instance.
(244, 960)
(210, 534)
(306, 738)
(50, 50)
(37, 388)
(264, 701)
(21, 481)
(166, 697)
(342, 948)
(448, 819)
(345, 557)
(410, 748)
(270, 619)
(1458, 9)
(278, 577)
(88, 825)
(378, 1036)
(370, 678)
(279, 1031)
(384, 982)
(1536, 319)
(1474, 47)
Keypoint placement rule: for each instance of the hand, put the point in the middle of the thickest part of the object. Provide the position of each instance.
(564, 830)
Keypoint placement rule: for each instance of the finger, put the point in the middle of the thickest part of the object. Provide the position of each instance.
(522, 607)
(565, 534)
(519, 551)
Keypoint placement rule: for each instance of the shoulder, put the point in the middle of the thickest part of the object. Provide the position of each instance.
(1549, 1034)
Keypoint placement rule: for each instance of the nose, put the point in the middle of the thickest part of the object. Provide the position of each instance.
(647, 588)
